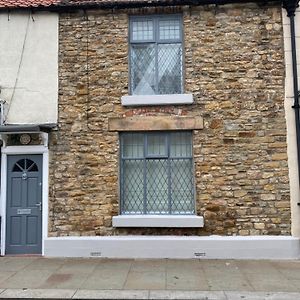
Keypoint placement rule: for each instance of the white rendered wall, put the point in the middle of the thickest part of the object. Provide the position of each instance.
(29, 66)
(290, 118)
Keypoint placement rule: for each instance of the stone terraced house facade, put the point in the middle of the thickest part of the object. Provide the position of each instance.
(171, 135)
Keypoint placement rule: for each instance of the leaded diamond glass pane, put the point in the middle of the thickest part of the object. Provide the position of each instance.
(180, 144)
(133, 145)
(169, 29)
(156, 145)
(143, 69)
(157, 186)
(169, 69)
(133, 187)
(142, 30)
(157, 181)
(182, 191)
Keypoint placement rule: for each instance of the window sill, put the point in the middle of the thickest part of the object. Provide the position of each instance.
(142, 100)
(157, 221)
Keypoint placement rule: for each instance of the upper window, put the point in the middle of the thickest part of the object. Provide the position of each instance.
(156, 55)
(157, 173)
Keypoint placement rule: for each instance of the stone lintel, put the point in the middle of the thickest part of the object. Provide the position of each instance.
(155, 123)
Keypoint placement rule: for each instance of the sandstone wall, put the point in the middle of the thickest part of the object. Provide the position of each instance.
(233, 67)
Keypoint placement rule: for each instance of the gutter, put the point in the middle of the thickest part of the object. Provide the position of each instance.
(291, 6)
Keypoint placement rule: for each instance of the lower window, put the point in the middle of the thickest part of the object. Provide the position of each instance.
(157, 174)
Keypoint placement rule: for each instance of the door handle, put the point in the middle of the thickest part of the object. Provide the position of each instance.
(39, 205)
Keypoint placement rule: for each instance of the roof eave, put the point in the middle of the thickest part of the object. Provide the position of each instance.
(133, 4)
(16, 129)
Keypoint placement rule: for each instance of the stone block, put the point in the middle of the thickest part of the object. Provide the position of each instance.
(155, 123)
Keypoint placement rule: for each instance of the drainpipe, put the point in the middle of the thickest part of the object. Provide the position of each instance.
(2, 105)
(291, 6)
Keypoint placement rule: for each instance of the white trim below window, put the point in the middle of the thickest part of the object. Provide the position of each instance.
(141, 100)
(157, 221)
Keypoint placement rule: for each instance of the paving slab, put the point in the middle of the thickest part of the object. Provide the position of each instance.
(78, 266)
(228, 283)
(148, 265)
(114, 264)
(109, 294)
(181, 264)
(105, 280)
(15, 264)
(291, 274)
(261, 267)
(5, 275)
(296, 284)
(64, 281)
(26, 279)
(273, 283)
(145, 281)
(290, 269)
(45, 264)
(217, 268)
(37, 294)
(187, 295)
(261, 296)
(186, 280)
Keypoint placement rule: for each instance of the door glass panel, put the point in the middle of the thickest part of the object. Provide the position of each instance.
(17, 168)
(21, 163)
(25, 165)
(31, 166)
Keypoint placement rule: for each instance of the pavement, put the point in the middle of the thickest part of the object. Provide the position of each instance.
(96, 278)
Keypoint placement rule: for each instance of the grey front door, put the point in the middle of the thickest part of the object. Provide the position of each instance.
(24, 204)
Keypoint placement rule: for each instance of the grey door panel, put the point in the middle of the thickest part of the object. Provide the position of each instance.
(23, 210)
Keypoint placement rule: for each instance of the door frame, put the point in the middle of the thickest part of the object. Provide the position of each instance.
(24, 150)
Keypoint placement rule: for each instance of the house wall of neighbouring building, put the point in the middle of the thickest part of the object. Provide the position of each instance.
(290, 117)
(234, 67)
(29, 67)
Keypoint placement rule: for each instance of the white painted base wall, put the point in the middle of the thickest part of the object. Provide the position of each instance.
(211, 247)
